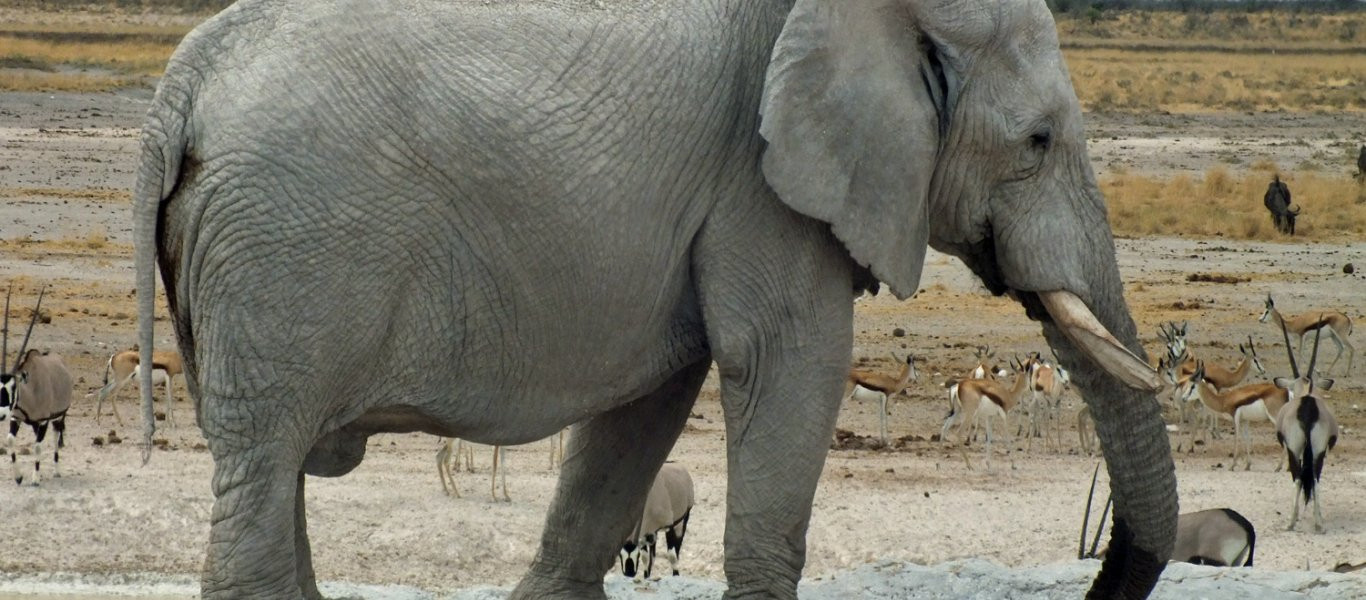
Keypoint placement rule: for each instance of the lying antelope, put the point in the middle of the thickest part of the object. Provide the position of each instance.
(1242, 404)
(166, 366)
(871, 386)
(1338, 326)
(971, 400)
(1218, 537)
(37, 393)
(1307, 430)
(667, 506)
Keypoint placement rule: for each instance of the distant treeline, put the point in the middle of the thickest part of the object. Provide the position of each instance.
(151, 6)
(1083, 7)
(1074, 7)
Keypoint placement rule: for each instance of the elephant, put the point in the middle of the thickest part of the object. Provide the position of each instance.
(1277, 201)
(490, 220)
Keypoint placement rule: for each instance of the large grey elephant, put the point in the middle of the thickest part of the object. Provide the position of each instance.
(489, 220)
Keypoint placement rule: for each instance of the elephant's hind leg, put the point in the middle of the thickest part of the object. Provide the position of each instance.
(256, 529)
(606, 474)
(303, 554)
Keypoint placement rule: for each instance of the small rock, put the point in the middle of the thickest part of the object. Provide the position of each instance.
(898, 332)
(1349, 268)
(113, 437)
(97, 441)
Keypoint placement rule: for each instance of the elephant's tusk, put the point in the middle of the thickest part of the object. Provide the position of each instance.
(1081, 326)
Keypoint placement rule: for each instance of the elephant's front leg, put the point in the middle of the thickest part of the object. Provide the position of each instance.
(612, 460)
(780, 321)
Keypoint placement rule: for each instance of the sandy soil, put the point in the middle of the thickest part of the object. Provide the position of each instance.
(67, 160)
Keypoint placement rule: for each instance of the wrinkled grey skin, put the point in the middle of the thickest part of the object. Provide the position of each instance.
(491, 220)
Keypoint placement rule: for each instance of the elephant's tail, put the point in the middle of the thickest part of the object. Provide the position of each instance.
(162, 153)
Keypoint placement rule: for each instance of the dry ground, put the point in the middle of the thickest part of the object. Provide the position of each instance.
(66, 162)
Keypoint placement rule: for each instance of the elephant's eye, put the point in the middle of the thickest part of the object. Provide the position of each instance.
(1041, 140)
(1035, 148)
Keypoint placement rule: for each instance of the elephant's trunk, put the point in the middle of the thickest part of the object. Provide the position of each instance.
(1132, 434)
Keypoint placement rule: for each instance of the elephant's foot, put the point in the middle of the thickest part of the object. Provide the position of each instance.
(760, 579)
(544, 586)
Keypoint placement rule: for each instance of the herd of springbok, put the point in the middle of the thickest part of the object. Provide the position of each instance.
(36, 391)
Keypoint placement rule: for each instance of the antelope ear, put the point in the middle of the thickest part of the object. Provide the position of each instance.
(1324, 384)
(855, 102)
(1283, 382)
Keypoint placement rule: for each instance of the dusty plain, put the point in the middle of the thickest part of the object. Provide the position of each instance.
(67, 161)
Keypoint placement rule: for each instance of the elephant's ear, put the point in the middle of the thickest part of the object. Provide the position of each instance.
(855, 102)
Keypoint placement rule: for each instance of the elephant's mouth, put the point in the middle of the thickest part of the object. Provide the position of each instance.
(1069, 313)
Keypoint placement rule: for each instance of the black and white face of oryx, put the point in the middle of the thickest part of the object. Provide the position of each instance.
(35, 392)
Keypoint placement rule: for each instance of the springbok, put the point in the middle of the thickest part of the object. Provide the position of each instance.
(1242, 404)
(166, 366)
(37, 393)
(1337, 324)
(453, 451)
(1177, 371)
(871, 386)
(971, 400)
(448, 458)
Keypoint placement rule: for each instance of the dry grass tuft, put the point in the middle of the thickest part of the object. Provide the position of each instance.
(96, 238)
(1216, 278)
(1227, 205)
(99, 195)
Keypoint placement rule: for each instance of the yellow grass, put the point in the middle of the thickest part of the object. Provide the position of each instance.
(1228, 205)
(70, 52)
(131, 56)
(1127, 60)
(1107, 79)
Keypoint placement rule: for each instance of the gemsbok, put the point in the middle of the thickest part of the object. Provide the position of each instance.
(36, 392)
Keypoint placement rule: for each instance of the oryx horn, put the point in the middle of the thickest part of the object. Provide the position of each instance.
(1314, 356)
(1294, 369)
(31, 322)
(1086, 516)
(4, 334)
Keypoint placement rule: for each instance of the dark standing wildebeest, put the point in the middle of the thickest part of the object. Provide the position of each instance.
(1361, 163)
(1277, 201)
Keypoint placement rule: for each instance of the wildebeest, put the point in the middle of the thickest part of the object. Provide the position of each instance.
(1277, 201)
(1361, 162)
